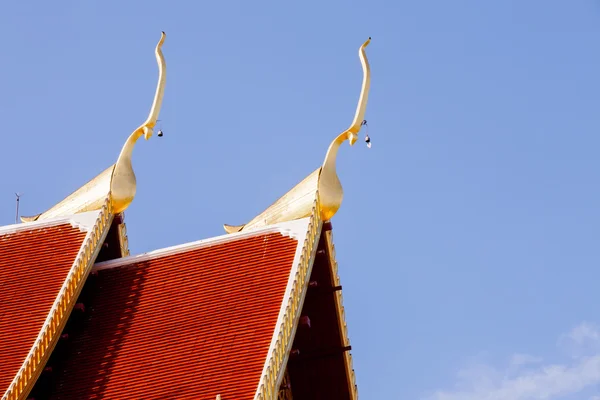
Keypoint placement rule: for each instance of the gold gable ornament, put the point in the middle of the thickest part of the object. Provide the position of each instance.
(323, 182)
(118, 179)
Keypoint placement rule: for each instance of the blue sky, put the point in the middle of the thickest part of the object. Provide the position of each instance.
(468, 238)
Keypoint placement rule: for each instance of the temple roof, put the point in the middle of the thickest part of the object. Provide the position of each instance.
(217, 317)
(41, 265)
(191, 321)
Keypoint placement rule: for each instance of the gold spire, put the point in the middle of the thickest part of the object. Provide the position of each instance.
(323, 182)
(119, 178)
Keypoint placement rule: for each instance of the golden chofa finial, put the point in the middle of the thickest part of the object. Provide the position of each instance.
(324, 182)
(118, 179)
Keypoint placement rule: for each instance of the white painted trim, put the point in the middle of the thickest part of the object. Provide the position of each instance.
(288, 289)
(285, 301)
(84, 221)
(294, 229)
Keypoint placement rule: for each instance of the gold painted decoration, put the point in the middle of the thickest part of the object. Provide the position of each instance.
(119, 178)
(297, 203)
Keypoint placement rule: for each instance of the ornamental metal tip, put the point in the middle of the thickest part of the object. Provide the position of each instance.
(330, 187)
(123, 182)
(323, 182)
(149, 124)
(118, 180)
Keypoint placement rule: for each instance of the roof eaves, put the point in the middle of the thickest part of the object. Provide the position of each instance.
(339, 300)
(294, 229)
(97, 224)
(291, 306)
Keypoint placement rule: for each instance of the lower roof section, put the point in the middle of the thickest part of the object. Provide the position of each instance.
(35, 262)
(189, 322)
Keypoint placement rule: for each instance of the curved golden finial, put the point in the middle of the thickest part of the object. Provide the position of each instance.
(298, 202)
(119, 178)
(330, 187)
(123, 182)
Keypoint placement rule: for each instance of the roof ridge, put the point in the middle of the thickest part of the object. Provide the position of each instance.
(84, 221)
(293, 229)
(64, 301)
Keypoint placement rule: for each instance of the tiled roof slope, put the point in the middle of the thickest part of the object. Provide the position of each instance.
(189, 322)
(35, 260)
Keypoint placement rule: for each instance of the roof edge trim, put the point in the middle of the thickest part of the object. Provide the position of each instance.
(297, 229)
(339, 303)
(291, 307)
(40, 351)
(84, 221)
(293, 229)
(293, 276)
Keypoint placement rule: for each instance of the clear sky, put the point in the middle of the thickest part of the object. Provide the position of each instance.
(468, 237)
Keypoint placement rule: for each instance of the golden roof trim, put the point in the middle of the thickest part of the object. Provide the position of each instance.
(291, 307)
(58, 315)
(118, 179)
(297, 203)
(341, 313)
(123, 240)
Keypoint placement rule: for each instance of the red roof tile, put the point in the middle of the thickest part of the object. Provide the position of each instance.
(186, 324)
(34, 263)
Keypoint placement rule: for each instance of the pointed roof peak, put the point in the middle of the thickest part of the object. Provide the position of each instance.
(118, 180)
(323, 183)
